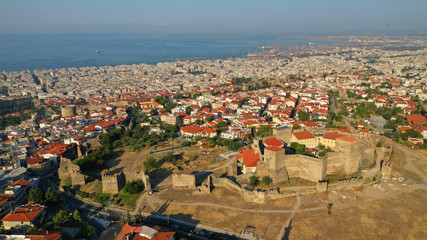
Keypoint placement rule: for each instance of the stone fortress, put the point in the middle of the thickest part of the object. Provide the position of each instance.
(349, 152)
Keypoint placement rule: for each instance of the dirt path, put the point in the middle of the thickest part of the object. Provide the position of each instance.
(284, 232)
(409, 165)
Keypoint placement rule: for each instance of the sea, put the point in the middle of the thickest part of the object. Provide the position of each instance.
(53, 51)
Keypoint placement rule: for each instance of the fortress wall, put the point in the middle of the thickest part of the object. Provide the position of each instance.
(283, 134)
(78, 179)
(312, 169)
(183, 181)
(113, 183)
(341, 163)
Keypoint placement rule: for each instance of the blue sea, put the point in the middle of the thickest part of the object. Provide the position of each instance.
(52, 51)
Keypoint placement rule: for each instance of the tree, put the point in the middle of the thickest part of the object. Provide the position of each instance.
(188, 110)
(296, 127)
(414, 134)
(264, 131)
(169, 106)
(86, 231)
(132, 187)
(266, 180)
(302, 116)
(36, 195)
(153, 112)
(150, 164)
(253, 181)
(379, 145)
(61, 217)
(76, 215)
(51, 196)
(298, 148)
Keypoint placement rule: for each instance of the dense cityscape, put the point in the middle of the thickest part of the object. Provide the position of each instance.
(245, 148)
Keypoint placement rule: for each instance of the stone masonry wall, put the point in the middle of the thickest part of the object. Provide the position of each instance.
(183, 181)
(310, 168)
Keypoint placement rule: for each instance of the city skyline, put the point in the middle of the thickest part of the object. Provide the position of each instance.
(219, 17)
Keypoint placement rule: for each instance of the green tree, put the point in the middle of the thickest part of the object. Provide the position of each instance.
(153, 112)
(51, 196)
(150, 164)
(302, 115)
(169, 106)
(86, 231)
(76, 215)
(188, 110)
(414, 134)
(253, 181)
(36, 195)
(264, 131)
(296, 127)
(298, 148)
(379, 145)
(266, 180)
(61, 217)
(132, 187)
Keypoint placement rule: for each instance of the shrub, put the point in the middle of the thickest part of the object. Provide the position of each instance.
(253, 181)
(132, 187)
(150, 164)
(379, 145)
(266, 180)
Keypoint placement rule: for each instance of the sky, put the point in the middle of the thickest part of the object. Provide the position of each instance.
(200, 17)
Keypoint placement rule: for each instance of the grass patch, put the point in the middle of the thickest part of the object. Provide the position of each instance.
(295, 182)
(126, 199)
(92, 187)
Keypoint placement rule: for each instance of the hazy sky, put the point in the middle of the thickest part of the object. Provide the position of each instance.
(214, 16)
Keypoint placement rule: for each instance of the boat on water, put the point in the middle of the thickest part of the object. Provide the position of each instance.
(97, 51)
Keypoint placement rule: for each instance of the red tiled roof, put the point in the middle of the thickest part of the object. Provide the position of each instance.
(44, 235)
(20, 182)
(250, 158)
(303, 135)
(4, 198)
(416, 119)
(128, 230)
(35, 160)
(275, 149)
(332, 135)
(273, 142)
(24, 213)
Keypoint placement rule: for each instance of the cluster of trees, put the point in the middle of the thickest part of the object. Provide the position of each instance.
(324, 150)
(150, 164)
(65, 219)
(240, 80)
(18, 105)
(13, 106)
(49, 198)
(96, 158)
(300, 149)
(302, 116)
(254, 181)
(232, 145)
(133, 187)
(398, 135)
(263, 131)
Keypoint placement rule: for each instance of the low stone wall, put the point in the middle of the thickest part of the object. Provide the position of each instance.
(349, 183)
